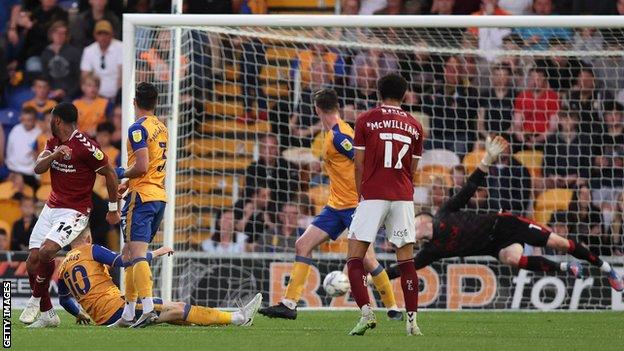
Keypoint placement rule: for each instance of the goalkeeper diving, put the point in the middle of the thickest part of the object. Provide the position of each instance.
(453, 232)
(87, 291)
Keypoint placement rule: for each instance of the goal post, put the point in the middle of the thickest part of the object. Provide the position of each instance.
(226, 81)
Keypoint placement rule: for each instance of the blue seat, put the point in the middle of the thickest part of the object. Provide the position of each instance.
(17, 96)
(9, 117)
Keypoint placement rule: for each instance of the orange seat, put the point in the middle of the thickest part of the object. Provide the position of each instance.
(338, 246)
(318, 196)
(472, 160)
(10, 210)
(44, 192)
(424, 176)
(532, 160)
(550, 201)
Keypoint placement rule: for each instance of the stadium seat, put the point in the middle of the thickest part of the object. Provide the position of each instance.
(550, 201)
(276, 89)
(440, 157)
(10, 210)
(196, 220)
(213, 146)
(273, 73)
(335, 246)
(231, 126)
(532, 160)
(231, 72)
(44, 192)
(9, 117)
(205, 201)
(206, 184)
(215, 164)
(424, 176)
(228, 89)
(472, 160)
(318, 196)
(6, 226)
(7, 190)
(280, 54)
(228, 108)
(300, 6)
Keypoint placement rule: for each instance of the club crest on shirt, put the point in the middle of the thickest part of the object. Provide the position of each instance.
(137, 136)
(346, 144)
(98, 154)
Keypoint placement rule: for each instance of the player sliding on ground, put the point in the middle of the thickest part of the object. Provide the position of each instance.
(388, 144)
(453, 232)
(87, 290)
(335, 216)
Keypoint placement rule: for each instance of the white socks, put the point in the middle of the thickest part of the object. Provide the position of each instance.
(366, 310)
(128, 312)
(148, 304)
(606, 267)
(289, 303)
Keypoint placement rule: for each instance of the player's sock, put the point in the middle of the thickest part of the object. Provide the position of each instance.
(131, 295)
(42, 284)
(199, 315)
(409, 283)
(298, 278)
(357, 280)
(383, 286)
(142, 275)
(538, 263)
(581, 252)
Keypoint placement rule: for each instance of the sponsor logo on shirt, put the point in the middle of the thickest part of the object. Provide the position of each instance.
(98, 154)
(400, 233)
(346, 144)
(137, 136)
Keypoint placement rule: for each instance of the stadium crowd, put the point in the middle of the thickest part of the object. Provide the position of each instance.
(568, 110)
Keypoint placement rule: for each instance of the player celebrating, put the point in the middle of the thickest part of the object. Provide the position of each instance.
(145, 203)
(452, 232)
(84, 282)
(335, 217)
(388, 144)
(73, 159)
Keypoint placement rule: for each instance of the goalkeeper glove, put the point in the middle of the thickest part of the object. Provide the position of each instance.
(493, 149)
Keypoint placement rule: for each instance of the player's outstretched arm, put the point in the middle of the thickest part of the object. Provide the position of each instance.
(494, 148)
(111, 258)
(66, 300)
(46, 157)
(112, 184)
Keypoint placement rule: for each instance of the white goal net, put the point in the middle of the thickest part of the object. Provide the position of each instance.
(248, 165)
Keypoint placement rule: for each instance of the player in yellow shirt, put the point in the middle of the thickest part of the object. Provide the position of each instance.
(145, 202)
(335, 216)
(87, 291)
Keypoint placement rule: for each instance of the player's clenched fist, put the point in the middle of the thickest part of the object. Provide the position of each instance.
(62, 152)
(493, 149)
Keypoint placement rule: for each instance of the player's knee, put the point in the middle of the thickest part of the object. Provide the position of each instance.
(558, 243)
(302, 247)
(509, 257)
(32, 261)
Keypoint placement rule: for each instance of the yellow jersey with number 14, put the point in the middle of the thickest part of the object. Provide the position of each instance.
(149, 132)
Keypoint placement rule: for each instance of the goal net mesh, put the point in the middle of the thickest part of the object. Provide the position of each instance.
(249, 166)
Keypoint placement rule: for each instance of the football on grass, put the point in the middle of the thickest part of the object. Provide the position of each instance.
(336, 284)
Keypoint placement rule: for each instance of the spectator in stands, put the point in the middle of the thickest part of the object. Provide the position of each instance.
(616, 229)
(567, 154)
(35, 32)
(23, 227)
(225, 240)
(587, 39)
(116, 121)
(280, 176)
(83, 25)
(381, 61)
(613, 136)
(509, 186)
(287, 231)
(418, 68)
(490, 38)
(253, 58)
(585, 217)
(587, 100)
(103, 135)
(495, 114)
(560, 70)
(609, 70)
(41, 103)
(442, 7)
(251, 216)
(92, 108)
(517, 7)
(45, 134)
(608, 180)
(361, 94)
(104, 58)
(535, 111)
(453, 107)
(314, 69)
(20, 150)
(539, 38)
(61, 63)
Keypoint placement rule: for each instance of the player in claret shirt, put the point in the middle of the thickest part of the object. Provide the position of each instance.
(73, 160)
(453, 232)
(388, 145)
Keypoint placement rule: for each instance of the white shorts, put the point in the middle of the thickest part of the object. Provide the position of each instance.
(397, 216)
(61, 225)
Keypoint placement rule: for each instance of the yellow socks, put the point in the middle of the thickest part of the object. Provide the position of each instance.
(199, 315)
(298, 278)
(383, 286)
(131, 295)
(142, 278)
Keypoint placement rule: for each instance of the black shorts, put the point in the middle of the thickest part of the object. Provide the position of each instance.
(510, 229)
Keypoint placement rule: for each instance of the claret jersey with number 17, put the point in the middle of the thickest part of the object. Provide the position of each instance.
(391, 139)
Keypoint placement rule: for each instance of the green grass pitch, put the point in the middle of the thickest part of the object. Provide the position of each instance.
(328, 331)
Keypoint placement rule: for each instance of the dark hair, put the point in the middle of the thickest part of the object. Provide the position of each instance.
(146, 96)
(3, 232)
(503, 66)
(611, 105)
(106, 127)
(585, 68)
(326, 100)
(539, 69)
(391, 86)
(29, 110)
(66, 111)
(40, 78)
